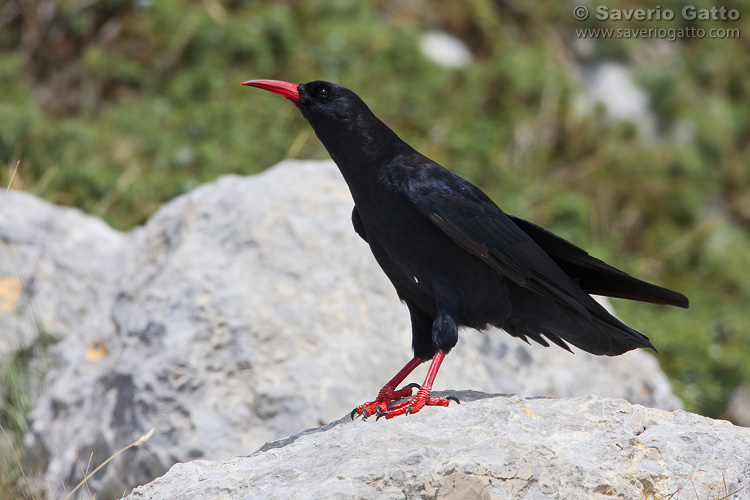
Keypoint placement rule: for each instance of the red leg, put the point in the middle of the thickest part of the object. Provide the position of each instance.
(388, 393)
(422, 398)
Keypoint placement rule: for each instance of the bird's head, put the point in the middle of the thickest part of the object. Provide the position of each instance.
(319, 101)
(341, 120)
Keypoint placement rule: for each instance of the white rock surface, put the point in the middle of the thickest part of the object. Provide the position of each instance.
(610, 84)
(491, 448)
(444, 49)
(249, 309)
(57, 267)
(738, 408)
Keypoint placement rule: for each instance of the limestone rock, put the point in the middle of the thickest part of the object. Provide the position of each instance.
(493, 447)
(58, 266)
(738, 408)
(444, 49)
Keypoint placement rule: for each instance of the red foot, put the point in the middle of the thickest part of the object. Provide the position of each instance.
(415, 404)
(386, 396)
(382, 405)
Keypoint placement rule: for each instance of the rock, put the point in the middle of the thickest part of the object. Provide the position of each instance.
(444, 49)
(248, 309)
(489, 447)
(58, 269)
(610, 84)
(738, 408)
(58, 266)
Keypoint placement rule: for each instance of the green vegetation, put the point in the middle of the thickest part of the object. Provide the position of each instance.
(21, 379)
(119, 106)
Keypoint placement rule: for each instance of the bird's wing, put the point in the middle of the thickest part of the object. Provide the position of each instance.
(593, 275)
(359, 226)
(471, 219)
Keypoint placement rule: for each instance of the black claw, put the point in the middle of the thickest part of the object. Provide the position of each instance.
(354, 412)
(414, 386)
(408, 410)
(453, 398)
(380, 413)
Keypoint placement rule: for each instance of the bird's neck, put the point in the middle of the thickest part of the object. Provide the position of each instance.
(361, 153)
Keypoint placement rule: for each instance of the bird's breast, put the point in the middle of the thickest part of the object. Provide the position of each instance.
(415, 254)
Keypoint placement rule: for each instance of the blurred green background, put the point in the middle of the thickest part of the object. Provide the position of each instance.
(119, 106)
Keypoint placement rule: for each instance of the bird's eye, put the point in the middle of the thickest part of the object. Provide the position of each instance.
(323, 94)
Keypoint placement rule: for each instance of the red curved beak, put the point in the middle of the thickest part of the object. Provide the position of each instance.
(286, 89)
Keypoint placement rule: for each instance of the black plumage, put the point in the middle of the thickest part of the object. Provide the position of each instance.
(455, 258)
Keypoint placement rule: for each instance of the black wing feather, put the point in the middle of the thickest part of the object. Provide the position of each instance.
(471, 219)
(594, 275)
(359, 226)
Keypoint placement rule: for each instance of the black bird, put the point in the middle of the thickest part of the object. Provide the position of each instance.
(454, 257)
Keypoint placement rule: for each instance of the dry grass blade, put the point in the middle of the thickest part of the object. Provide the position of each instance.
(717, 491)
(85, 471)
(18, 459)
(10, 182)
(86, 477)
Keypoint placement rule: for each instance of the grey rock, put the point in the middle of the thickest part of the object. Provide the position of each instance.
(248, 309)
(58, 266)
(444, 49)
(493, 447)
(611, 85)
(58, 269)
(738, 408)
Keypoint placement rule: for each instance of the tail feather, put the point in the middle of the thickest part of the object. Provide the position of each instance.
(600, 333)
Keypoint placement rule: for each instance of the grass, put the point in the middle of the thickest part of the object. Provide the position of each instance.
(21, 378)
